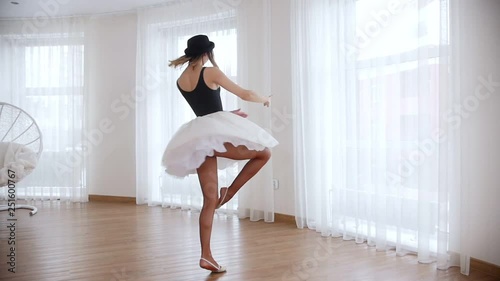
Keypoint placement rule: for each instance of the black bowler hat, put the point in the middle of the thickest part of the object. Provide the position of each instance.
(198, 45)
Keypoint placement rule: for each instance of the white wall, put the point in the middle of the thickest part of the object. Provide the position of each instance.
(112, 73)
(481, 130)
(281, 88)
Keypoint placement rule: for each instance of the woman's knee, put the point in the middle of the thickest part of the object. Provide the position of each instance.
(265, 154)
(210, 199)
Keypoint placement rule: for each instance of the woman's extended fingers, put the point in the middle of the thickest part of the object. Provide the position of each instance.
(240, 113)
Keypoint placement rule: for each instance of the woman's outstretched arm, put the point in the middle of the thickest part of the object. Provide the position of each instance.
(221, 79)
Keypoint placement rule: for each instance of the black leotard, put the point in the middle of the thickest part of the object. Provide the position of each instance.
(202, 99)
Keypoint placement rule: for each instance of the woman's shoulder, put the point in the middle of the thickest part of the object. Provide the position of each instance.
(212, 72)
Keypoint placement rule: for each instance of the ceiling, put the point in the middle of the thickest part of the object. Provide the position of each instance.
(36, 8)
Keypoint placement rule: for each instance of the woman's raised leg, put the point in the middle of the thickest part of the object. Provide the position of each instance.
(257, 160)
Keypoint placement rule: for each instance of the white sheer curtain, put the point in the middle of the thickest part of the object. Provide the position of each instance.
(161, 110)
(377, 159)
(42, 72)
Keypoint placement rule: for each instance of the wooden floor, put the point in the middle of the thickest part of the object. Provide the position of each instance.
(125, 242)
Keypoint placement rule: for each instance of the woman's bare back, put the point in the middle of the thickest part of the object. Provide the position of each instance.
(190, 77)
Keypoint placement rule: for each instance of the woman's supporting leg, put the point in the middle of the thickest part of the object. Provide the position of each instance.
(257, 159)
(207, 175)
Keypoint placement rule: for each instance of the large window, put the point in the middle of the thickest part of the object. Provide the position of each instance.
(368, 167)
(54, 78)
(168, 40)
(47, 81)
(401, 53)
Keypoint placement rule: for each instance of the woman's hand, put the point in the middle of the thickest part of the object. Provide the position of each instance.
(268, 102)
(239, 113)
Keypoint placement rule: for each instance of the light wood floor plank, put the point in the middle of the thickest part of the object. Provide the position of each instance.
(124, 242)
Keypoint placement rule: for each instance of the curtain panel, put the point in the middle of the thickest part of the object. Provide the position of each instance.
(377, 154)
(42, 72)
(161, 109)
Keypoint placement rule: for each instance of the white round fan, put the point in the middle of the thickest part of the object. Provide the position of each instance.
(20, 147)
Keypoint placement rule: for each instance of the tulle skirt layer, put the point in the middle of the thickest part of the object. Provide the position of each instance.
(200, 137)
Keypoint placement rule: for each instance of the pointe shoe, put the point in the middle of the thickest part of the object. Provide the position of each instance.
(221, 199)
(218, 269)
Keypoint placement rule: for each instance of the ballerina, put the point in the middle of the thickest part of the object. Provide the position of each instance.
(194, 148)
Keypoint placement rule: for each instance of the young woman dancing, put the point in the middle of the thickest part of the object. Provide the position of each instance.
(194, 148)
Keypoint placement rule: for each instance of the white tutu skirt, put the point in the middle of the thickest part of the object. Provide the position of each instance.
(200, 137)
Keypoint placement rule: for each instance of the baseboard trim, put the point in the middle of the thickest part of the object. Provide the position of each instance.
(284, 218)
(485, 267)
(111, 199)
